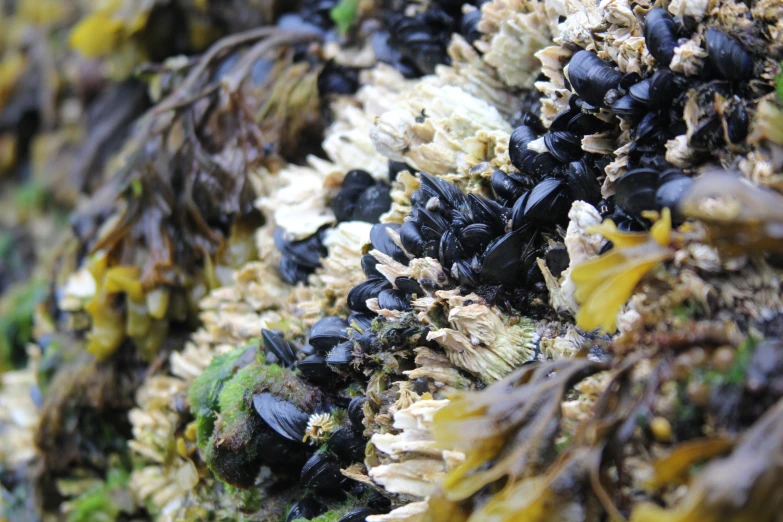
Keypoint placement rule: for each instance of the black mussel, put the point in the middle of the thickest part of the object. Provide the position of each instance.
(433, 225)
(534, 122)
(321, 472)
(450, 249)
(306, 508)
(582, 182)
(275, 343)
(506, 187)
(640, 92)
(628, 108)
(393, 300)
(368, 341)
(670, 175)
(421, 385)
(707, 134)
(314, 369)
(501, 263)
(548, 202)
(356, 413)
(292, 272)
(476, 237)
(358, 514)
(592, 77)
(669, 193)
(660, 35)
(337, 79)
(430, 248)
(635, 190)
(382, 241)
(583, 123)
(328, 332)
(564, 146)
(307, 252)
(518, 212)
(524, 179)
(647, 129)
(560, 123)
(344, 203)
(730, 59)
(373, 202)
(556, 260)
(409, 286)
(488, 212)
(307, 350)
(358, 178)
(469, 25)
(434, 187)
(517, 145)
(369, 264)
(362, 321)
(284, 418)
(664, 88)
(411, 239)
(348, 445)
(737, 120)
(463, 272)
(359, 294)
(341, 355)
(545, 164)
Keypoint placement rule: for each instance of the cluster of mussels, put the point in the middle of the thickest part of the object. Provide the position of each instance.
(361, 198)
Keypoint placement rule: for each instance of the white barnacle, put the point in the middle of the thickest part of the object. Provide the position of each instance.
(319, 427)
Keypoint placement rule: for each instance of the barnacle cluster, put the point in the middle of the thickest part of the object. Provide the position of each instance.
(413, 261)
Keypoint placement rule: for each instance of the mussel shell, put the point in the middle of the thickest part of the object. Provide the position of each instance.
(344, 203)
(518, 212)
(314, 369)
(640, 92)
(359, 294)
(628, 107)
(564, 146)
(356, 413)
(487, 212)
(591, 77)
(663, 88)
(275, 343)
(281, 416)
(358, 179)
(433, 224)
(382, 241)
(341, 356)
(556, 260)
(560, 123)
(393, 300)
(475, 237)
(469, 26)
(395, 167)
(534, 122)
(348, 445)
(307, 252)
(730, 59)
(363, 321)
(669, 193)
(660, 35)
(517, 145)
(369, 264)
(737, 121)
(306, 508)
(359, 514)
(409, 286)
(321, 472)
(450, 249)
(448, 194)
(506, 187)
(548, 202)
(411, 238)
(501, 263)
(462, 272)
(292, 272)
(635, 190)
(545, 164)
(328, 332)
(372, 203)
(583, 183)
(583, 123)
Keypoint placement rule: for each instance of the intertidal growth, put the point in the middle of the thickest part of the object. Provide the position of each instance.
(394, 261)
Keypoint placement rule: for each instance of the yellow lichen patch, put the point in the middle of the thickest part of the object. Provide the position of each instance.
(11, 67)
(605, 284)
(43, 12)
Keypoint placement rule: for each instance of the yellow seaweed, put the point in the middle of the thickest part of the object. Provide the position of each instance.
(605, 284)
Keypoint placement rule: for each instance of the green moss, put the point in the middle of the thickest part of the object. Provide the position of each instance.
(206, 388)
(779, 84)
(344, 14)
(104, 501)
